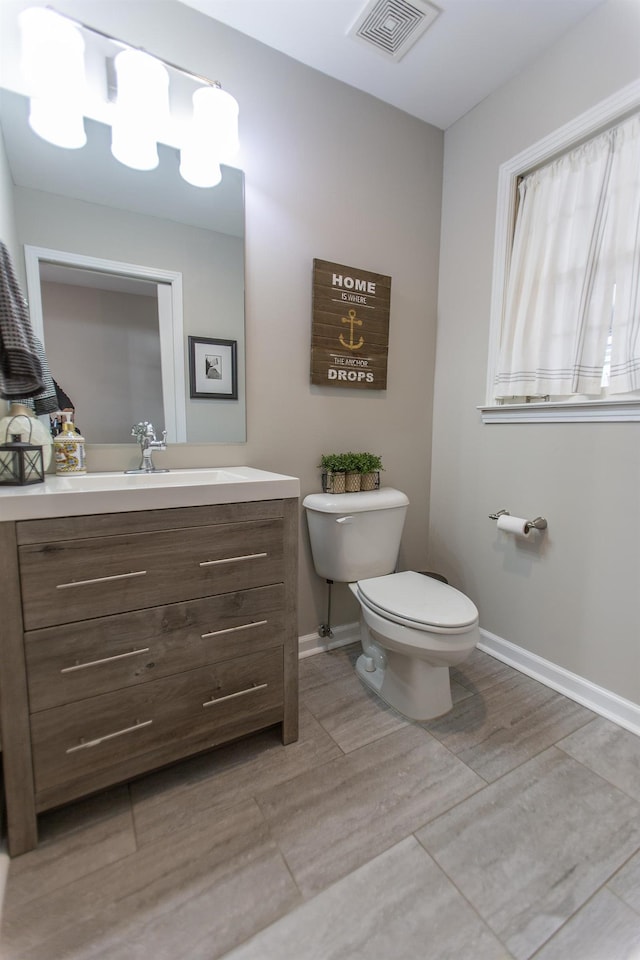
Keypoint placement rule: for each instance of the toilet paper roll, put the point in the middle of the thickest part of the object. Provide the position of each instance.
(516, 525)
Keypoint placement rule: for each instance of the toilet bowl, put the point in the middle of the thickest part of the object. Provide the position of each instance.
(412, 629)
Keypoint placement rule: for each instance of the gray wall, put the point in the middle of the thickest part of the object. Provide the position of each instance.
(333, 174)
(8, 234)
(575, 599)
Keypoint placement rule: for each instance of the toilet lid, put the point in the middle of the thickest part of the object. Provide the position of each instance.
(417, 600)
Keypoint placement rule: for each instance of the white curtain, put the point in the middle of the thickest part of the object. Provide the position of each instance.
(576, 242)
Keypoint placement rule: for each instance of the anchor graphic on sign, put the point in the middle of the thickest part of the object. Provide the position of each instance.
(351, 320)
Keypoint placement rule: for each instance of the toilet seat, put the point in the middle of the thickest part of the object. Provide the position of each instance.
(423, 603)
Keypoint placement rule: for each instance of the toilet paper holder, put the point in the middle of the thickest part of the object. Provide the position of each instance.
(538, 524)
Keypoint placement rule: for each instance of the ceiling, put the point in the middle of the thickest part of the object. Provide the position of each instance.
(471, 48)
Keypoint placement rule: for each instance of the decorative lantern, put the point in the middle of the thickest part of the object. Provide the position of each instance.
(20, 463)
(22, 420)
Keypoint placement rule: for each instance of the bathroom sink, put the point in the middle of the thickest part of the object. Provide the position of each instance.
(174, 478)
(117, 492)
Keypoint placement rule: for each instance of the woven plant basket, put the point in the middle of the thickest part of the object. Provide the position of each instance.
(333, 482)
(370, 481)
(353, 482)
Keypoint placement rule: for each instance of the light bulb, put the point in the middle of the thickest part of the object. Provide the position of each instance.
(198, 168)
(53, 66)
(212, 138)
(142, 109)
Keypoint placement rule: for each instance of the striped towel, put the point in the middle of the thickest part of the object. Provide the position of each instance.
(20, 366)
(47, 401)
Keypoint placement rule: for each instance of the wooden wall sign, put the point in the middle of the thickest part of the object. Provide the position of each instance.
(350, 327)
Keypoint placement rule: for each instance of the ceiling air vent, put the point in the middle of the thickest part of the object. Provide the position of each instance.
(393, 26)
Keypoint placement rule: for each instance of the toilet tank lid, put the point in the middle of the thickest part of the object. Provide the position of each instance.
(383, 499)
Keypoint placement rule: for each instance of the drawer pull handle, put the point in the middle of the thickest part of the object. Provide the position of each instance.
(248, 556)
(116, 576)
(97, 663)
(242, 626)
(85, 744)
(230, 696)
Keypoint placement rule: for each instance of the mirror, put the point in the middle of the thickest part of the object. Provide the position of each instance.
(109, 240)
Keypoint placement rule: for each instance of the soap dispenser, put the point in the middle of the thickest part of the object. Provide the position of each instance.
(69, 449)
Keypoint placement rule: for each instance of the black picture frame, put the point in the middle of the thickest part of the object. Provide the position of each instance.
(213, 368)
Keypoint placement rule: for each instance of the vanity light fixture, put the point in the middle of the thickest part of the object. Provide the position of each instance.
(53, 65)
(53, 48)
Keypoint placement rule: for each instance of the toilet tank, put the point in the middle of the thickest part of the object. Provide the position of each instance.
(355, 535)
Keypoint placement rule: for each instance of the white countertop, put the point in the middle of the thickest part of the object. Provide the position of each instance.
(119, 492)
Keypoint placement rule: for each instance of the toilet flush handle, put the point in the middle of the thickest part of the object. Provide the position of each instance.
(344, 520)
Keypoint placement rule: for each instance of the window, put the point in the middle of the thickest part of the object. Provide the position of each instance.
(565, 337)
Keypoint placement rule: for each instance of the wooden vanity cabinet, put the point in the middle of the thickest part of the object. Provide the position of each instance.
(132, 640)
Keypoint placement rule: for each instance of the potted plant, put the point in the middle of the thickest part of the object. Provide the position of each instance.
(352, 472)
(369, 466)
(333, 472)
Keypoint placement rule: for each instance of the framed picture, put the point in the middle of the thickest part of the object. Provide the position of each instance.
(213, 368)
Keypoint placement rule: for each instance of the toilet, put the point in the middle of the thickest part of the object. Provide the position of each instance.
(412, 627)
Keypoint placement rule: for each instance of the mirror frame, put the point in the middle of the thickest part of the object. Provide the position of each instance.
(169, 291)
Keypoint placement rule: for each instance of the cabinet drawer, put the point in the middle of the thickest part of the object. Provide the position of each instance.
(157, 721)
(80, 660)
(80, 579)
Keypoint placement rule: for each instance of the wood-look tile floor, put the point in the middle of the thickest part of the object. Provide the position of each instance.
(508, 829)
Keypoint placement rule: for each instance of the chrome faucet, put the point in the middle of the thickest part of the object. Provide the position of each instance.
(146, 437)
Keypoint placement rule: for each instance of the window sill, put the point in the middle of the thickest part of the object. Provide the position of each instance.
(608, 411)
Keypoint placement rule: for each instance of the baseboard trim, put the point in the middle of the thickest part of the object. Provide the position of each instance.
(313, 643)
(602, 701)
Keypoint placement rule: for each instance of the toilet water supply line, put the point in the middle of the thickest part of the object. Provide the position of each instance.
(324, 630)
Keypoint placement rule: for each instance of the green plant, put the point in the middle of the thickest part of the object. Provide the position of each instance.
(332, 463)
(369, 463)
(350, 462)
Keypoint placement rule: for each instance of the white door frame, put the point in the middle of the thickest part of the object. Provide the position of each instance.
(169, 293)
